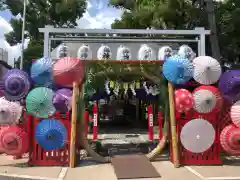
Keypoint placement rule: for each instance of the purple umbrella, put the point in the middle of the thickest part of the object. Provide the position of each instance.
(229, 85)
(62, 100)
(16, 84)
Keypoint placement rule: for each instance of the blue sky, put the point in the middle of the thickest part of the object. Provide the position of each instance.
(98, 15)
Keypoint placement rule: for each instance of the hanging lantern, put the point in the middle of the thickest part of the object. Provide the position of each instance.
(62, 100)
(41, 71)
(207, 70)
(51, 134)
(146, 53)
(104, 53)
(229, 139)
(39, 102)
(207, 99)
(183, 100)
(14, 141)
(197, 135)
(84, 52)
(235, 113)
(68, 70)
(229, 85)
(16, 84)
(177, 69)
(164, 53)
(123, 53)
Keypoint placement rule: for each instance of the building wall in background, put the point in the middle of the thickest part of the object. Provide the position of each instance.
(3, 55)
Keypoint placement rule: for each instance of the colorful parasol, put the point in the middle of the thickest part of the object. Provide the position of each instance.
(104, 53)
(197, 135)
(229, 85)
(235, 113)
(62, 100)
(84, 52)
(16, 84)
(207, 99)
(39, 102)
(41, 71)
(164, 53)
(123, 53)
(186, 51)
(207, 70)
(146, 53)
(51, 134)
(183, 100)
(177, 69)
(67, 70)
(10, 112)
(14, 141)
(230, 140)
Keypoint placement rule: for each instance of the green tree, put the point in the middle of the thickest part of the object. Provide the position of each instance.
(58, 13)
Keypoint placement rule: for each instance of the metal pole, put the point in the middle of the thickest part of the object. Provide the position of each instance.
(23, 32)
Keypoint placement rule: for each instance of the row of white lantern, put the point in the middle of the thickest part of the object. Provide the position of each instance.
(124, 53)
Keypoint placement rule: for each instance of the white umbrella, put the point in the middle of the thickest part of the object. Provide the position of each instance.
(186, 51)
(164, 52)
(197, 135)
(207, 70)
(123, 53)
(146, 53)
(84, 52)
(235, 113)
(204, 101)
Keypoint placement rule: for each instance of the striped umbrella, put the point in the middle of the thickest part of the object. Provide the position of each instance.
(229, 85)
(197, 135)
(235, 113)
(16, 84)
(230, 140)
(177, 69)
(10, 112)
(62, 100)
(183, 100)
(39, 102)
(14, 141)
(51, 134)
(207, 70)
(41, 71)
(207, 99)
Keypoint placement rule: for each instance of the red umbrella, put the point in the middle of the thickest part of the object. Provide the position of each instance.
(207, 99)
(235, 113)
(230, 139)
(14, 141)
(183, 100)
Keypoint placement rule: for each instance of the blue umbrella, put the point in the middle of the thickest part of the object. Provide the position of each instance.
(177, 69)
(41, 71)
(51, 134)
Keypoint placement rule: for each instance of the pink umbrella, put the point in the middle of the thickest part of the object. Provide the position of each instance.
(230, 140)
(235, 113)
(183, 100)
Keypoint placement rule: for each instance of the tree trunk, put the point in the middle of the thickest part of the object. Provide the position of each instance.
(209, 9)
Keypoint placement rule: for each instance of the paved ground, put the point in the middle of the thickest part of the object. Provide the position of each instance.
(89, 170)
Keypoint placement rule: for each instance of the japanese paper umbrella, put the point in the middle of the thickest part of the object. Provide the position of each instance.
(207, 99)
(186, 51)
(41, 71)
(183, 100)
(68, 70)
(229, 85)
(197, 135)
(10, 112)
(177, 69)
(51, 134)
(230, 140)
(14, 141)
(235, 113)
(16, 84)
(62, 100)
(207, 70)
(39, 102)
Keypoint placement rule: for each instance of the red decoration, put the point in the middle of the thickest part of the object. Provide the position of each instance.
(230, 140)
(68, 70)
(183, 100)
(14, 141)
